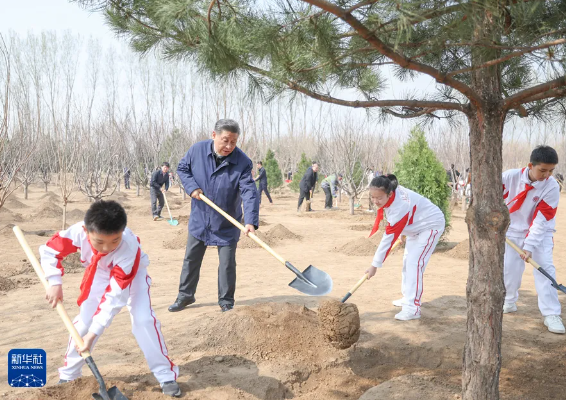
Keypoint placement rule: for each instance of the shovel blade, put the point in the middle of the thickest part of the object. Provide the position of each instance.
(113, 394)
(173, 222)
(320, 279)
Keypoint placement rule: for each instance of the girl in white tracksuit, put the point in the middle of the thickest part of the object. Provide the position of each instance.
(410, 214)
(532, 195)
(115, 276)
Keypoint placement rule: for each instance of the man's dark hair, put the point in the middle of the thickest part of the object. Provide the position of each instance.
(260, 163)
(314, 162)
(544, 155)
(165, 164)
(106, 217)
(227, 125)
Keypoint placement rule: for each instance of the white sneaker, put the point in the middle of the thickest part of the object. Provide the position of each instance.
(407, 315)
(554, 324)
(509, 308)
(398, 303)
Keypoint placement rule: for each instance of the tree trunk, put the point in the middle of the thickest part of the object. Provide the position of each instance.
(339, 195)
(26, 190)
(137, 189)
(64, 215)
(184, 195)
(352, 199)
(487, 219)
(45, 183)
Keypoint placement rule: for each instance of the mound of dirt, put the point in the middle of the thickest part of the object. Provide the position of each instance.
(75, 215)
(461, 251)
(412, 387)
(7, 215)
(6, 284)
(247, 243)
(81, 388)
(363, 227)
(10, 269)
(262, 222)
(50, 196)
(72, 263)
(279, 233)
(7, 229)
(48, 210)
(183, 219)
(178, 240)
(268, 331)
(15, 203)
(339, 323)
(359, 247)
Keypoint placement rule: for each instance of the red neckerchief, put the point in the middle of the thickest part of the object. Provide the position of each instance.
(519, 199)
(380, 215)
(88, 276)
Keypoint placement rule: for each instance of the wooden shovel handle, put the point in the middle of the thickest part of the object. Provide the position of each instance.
(365, 277)
(40, 274)
(167, 204)
(520, 251)
(242, 228)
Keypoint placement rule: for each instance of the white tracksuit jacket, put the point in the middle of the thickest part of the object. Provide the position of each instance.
(408, 213)
(120, 278)
(532, 228)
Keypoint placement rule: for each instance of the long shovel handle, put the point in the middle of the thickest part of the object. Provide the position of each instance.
(365, 277)
(537, 266)
(40, 274)
(242, 228)
(167, 204)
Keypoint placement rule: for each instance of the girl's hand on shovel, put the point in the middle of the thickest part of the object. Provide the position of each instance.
(526, 255)
(88, 340)
(54, 295)
(371, 271)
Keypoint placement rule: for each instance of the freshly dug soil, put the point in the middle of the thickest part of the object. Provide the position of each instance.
(72, 263)
(339, 323)
(48, 210)
(177, 240)
(461, 251)
(6, 284)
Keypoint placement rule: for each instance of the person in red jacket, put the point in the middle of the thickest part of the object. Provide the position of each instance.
(410, 214)
(532, 195)
(115, 276)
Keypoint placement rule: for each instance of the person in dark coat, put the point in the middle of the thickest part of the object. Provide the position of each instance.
(158, 184)
(127, 174)
(262, 178)
(308, 184)
(223, 172)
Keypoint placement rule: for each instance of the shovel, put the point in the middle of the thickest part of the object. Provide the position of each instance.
(364, 278)
(555, 285)
(172, 222)
(311, 281)
(111, 394)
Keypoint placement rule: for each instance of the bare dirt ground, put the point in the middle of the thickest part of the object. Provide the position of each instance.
(270, 346)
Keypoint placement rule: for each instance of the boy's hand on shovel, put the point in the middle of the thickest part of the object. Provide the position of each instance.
(54, 294)
(88, 340)
(526, 255)
(371, 271)
(196, 194)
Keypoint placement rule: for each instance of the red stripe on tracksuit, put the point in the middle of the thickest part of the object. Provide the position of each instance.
(423, 257)
(64, 246)
(157, 331)
(396, 230)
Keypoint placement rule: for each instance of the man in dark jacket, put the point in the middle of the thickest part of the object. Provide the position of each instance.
(307, 185)
(223, 172)
(262, 177)
(158, 184)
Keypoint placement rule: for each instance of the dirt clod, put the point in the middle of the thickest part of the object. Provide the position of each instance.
(340, 323)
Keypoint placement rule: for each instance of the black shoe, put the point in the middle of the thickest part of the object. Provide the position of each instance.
(180, 305)
(226, 307)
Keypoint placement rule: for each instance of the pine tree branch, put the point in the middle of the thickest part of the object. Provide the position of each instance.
(413, 115)
(434, 105)
(387, 51)
(508, 57)
(542, 91)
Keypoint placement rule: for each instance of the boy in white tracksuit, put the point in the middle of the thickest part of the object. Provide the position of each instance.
(410, 214)
(532, 195)
(115, 276)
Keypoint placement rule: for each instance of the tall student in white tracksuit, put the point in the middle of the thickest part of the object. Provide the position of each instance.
(532, 195)
(115, 276)
(410, 214)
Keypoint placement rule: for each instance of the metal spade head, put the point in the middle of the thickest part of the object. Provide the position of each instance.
(173, 222)
(113, 394)
(315, 282)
